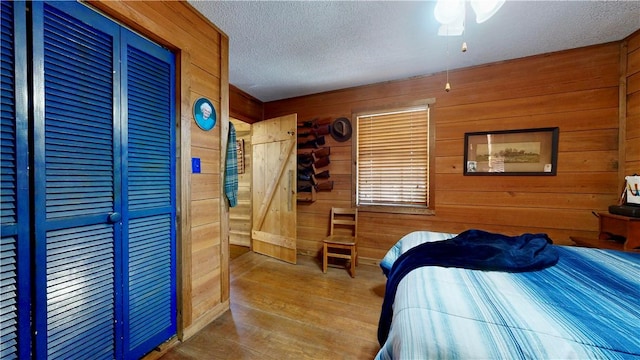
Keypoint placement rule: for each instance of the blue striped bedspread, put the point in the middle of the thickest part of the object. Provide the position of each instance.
(587, 306)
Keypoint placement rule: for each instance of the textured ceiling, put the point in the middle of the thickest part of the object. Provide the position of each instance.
(282, 49)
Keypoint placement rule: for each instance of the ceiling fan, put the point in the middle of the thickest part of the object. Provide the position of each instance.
(451, 14)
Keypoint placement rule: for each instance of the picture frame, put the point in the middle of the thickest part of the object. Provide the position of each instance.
(511, 152)
(204, 114)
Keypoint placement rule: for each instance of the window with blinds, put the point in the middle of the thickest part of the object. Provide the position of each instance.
(393, 158)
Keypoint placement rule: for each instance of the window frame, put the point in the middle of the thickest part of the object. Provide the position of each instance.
(429, 209)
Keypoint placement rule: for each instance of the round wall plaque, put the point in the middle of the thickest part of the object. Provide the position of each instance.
(204, 114)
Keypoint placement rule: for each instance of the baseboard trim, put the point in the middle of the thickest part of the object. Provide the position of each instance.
(162, 349)
(205, 320)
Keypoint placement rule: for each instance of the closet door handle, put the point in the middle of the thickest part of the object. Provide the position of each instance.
(114, 217)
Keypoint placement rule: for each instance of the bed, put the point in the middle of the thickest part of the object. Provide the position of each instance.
(583, 305)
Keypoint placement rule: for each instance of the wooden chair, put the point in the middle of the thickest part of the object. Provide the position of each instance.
(342, 220)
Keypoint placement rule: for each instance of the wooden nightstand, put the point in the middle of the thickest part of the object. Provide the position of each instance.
(617, 232)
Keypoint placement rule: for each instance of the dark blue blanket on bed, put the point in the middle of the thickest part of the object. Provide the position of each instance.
(472, 249)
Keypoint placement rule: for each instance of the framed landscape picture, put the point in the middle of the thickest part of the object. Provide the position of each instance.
(511, 152)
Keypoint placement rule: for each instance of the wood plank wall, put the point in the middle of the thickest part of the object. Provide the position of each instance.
(240, 216)
(244, 107)
(202, 67)
(576, 90)
(244, 110)
(632, 143)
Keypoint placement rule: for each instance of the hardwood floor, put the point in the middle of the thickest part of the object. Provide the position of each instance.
(285, 311)
(237, 251)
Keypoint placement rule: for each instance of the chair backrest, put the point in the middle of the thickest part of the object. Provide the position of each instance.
(344, 218)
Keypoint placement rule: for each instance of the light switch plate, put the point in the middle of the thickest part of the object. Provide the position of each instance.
(195, 165)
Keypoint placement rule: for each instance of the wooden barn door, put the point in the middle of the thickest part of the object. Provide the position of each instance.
(274, 187)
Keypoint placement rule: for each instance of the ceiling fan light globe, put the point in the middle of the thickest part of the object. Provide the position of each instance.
(485, 9)
(448, 11)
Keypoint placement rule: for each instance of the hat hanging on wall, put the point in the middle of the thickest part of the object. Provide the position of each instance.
(341, 129)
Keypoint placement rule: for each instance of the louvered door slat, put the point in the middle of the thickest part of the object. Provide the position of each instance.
(14, 186)
(8, 192)
(8, 180)
(8, 298)
(149, 277)
(74, 165)
(150, 196)
(69, 89)
(94, 158)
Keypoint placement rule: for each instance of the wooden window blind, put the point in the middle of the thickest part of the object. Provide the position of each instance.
(393, 158)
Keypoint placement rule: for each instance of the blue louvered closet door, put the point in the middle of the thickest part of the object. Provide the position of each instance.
(14, 188)
(104, 204)
(148, 193)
